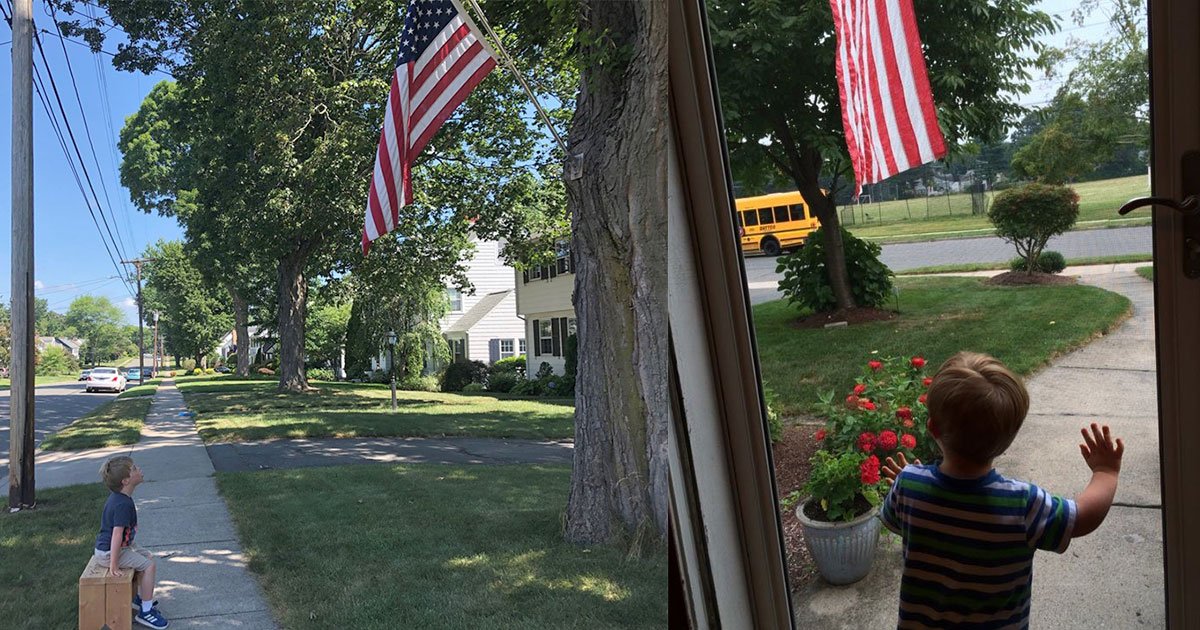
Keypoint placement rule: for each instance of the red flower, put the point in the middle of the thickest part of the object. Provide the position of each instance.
(852, 401)
(860, 389)
(904, 413)
(918, 362)
(908, 424)
(909, 441)
(887, 440)
(927, 382)
(866, 442)
(923, 398)
(869, 470)
(819, 435)
(875, 365)
(865, 403)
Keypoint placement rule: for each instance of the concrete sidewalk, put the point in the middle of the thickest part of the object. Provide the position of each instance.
(1112, 578)
(203, 581)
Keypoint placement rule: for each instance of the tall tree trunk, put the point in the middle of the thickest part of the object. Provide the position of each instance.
(825, 210)
(616, 194)
(241, 330)
(293, 310)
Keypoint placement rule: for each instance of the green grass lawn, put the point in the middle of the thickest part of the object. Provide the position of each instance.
(1146, 272)
(44, 380)
(116, 422)
(1023, 326)
(145, 389)
(234, 409)
(1098, 203)
(1071, 262)
(430, 546)
(44, 550)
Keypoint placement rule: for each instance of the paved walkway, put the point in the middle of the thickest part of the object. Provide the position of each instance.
(203, 581)
(1112, 578)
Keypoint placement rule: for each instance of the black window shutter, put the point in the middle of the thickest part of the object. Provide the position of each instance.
(545, 273)
(553, 270)
(525, 274)
(493, 350)
(555, 332)
(537, 339)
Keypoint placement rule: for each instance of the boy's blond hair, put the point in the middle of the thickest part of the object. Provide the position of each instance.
(976, 406)
(115, 471)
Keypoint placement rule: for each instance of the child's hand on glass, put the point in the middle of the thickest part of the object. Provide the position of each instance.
(1099, 451)
(891, 468)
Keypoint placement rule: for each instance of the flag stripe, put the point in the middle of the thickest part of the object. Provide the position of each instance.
(887, 106)
(442, 58)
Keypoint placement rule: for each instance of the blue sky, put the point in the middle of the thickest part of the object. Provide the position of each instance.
(69, 255)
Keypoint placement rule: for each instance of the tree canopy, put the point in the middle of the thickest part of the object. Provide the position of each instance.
(194, 313)
(100, 324)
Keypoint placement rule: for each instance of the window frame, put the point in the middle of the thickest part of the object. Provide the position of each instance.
(545, 341)
(510, 352)
(451, 292)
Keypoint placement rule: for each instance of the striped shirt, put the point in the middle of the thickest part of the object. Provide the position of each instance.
(969, 544)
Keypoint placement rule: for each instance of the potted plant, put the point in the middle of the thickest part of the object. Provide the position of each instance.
(883, 414)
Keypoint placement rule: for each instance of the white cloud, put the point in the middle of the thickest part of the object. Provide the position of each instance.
(38, 285)
(129, 303)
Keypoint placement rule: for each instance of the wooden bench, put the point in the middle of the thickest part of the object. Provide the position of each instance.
(106, 601)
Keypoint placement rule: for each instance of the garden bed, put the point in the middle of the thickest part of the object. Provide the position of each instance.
(791, 456)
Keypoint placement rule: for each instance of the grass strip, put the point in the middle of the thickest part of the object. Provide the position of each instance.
(145, 389)
(1071, 262)
(114, 423)
(1146, 272)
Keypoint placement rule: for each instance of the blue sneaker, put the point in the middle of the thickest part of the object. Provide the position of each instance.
(152, 619)
(137, 602)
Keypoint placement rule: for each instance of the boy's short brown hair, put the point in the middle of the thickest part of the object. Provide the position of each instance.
(116, 470)
(976, 406)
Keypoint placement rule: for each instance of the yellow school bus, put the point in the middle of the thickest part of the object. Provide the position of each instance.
(775, 222)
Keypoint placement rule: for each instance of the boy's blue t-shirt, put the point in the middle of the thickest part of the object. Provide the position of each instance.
(119, 511)
(969, 545)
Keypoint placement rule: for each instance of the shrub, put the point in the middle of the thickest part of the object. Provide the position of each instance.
(320, 374)
(544, 371)
(462, 372)
(380, 376)
(210, 371)
(53, 361)
(510, 365)
(419, 384)
(774, 423)
(571, 356)
(1030, 215)
(1047, 262)
(503, 382)
(189, 365)
(473, 388)
(197, 371)
(806, 282)
(529, 387)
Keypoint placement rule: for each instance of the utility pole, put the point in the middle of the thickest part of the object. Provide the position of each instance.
(154, 361)
(21, 417)
(137, 264)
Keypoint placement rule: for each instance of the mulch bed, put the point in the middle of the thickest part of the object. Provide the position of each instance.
(791, 456)
(858, 315)
(1020, 278)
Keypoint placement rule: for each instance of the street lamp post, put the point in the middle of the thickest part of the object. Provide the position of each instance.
(392, 364)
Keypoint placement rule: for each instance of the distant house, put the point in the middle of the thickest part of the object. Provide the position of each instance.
(481, 326)
(545, 301)
(72, 346)
(259, 342)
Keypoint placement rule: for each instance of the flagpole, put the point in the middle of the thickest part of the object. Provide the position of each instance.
(503, 54)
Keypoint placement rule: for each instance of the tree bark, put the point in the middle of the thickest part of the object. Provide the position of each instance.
(616, 194)
(293, 310)
(825, 210)
(241, 330)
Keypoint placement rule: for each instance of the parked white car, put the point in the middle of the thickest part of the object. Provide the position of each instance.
(106, 378)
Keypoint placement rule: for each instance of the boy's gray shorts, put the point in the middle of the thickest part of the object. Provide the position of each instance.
(132, 557)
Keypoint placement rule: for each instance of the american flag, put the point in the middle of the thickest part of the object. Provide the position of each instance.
(887, 106)
(442, 58)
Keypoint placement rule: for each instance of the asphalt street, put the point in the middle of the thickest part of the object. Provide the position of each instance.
(762, 279)
(55, 406)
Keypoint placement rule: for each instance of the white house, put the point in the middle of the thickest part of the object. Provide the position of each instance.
(481, 326)
(259, 341)
(72, 346)
(544, 301)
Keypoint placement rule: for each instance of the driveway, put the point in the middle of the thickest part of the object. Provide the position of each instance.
(55, 406)
(762, 279)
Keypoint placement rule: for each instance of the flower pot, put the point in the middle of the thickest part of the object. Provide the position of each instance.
(842, 550)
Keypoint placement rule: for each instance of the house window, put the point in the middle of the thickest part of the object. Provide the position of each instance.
(455, 295)
(545, 337)
(570, 326)
(521, 346)
(506, 348)
(458, 348)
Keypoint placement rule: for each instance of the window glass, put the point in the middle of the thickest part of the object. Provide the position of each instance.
(506, 348)
(751, 217)
(781, 214)
(455, 295)
(521, 346)
(764, 216)
(797, 212)
(545, 337)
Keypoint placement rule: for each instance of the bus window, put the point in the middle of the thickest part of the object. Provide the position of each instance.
(797, 212)
(781, 214)
(764, 216)
(750, 217)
